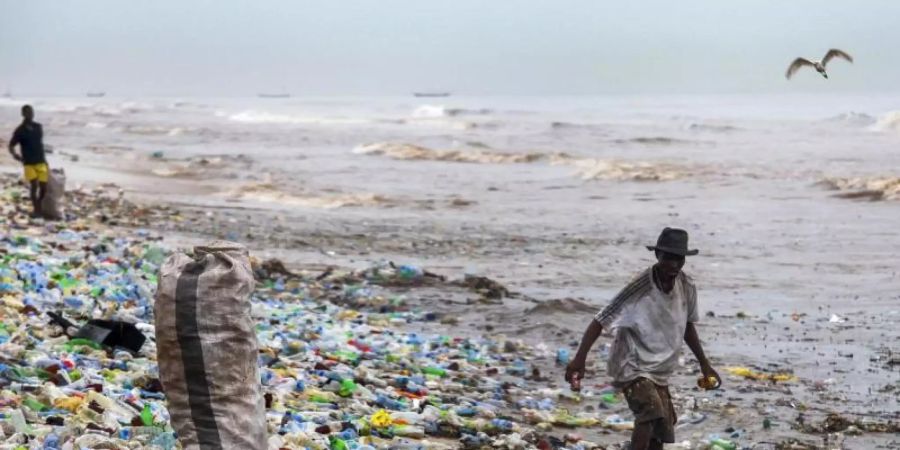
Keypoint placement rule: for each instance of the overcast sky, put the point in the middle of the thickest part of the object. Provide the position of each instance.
(511, 47)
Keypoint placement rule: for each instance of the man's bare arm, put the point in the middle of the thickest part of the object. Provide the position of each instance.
(12, 149)
(692, 339)
(576, 366)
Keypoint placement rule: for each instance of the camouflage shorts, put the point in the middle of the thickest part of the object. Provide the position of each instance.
(652, 403)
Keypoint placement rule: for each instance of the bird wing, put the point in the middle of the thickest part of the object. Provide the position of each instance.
(835, 53)
(796, 65)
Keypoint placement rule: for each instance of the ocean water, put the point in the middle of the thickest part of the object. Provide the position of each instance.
(777, 191)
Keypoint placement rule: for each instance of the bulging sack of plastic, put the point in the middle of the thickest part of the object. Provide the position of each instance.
(207, 349)
(52, 204)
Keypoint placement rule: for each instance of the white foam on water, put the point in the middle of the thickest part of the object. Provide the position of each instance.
(621, 170)
(268, 193)
(430, 112)
(265, 117)
(873, 188)
(888, 122)
(411, 152)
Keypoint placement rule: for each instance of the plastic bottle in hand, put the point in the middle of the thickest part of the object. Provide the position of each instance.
(708, 383)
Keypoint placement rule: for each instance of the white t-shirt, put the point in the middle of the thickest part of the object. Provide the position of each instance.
(648, 326)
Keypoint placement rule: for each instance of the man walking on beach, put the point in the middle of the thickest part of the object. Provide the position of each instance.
(29, 136)
(650, 318)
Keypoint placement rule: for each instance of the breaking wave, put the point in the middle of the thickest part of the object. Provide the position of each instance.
(604, 169)
(573, 126)
(653, 140)
(714, 128)
(199, 165)
(871, 188)
(263, 117)
(419, 153)
(888, 122)
(853, 118)
(269, 193)
(152, 130)
(439, 111)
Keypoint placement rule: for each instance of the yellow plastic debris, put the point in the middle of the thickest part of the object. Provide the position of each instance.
(747, 373)
(68, 403)
(382, 419)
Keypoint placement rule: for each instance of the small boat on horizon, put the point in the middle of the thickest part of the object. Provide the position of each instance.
(265, 95)
(431, 94)
(96, 94)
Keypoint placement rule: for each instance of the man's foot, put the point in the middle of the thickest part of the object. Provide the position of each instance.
(36, 215)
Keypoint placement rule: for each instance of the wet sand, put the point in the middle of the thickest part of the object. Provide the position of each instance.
(751, 292)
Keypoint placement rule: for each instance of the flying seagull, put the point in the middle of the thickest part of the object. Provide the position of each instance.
(818, 65)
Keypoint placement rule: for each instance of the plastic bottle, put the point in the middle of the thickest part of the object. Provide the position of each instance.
(708, 383)
(166, 441)
(502, 424)
(18, 421)
(562, 356)
(348, 387)
(390, 403)
(51, 442)
(34, 405)
(408, 417)
(609, 398)
(409, 272)
(409, 431)
(147, 415)
(722, 444)
(437, 371)
(336, 443)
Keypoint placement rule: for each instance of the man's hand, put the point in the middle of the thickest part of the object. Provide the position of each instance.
(575, 369)
(709, 372)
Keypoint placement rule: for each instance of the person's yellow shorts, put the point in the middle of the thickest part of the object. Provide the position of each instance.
(38, 172)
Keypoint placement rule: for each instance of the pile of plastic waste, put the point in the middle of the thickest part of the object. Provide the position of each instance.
(336, 374)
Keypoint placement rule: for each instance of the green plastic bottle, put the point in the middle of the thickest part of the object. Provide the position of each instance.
(348, 387)
(722, 444)
(34, 404)
(337, 443)
(347, 356)
(609, 398)
(319, 398)
(147, 416)
(431, 370)
(82, 342)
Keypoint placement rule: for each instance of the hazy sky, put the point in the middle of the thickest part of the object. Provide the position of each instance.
(230, 47)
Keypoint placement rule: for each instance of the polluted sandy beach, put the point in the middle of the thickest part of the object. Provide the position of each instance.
(545, 204)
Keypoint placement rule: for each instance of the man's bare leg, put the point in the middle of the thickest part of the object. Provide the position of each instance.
(640, 436)
(35, 200)
(42, 191)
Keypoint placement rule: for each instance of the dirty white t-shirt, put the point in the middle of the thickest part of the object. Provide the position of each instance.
(648, 328)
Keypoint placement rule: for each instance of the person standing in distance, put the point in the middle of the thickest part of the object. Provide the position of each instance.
(29, 136)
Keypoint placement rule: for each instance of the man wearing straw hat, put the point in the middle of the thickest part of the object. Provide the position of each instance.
(649, 320)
